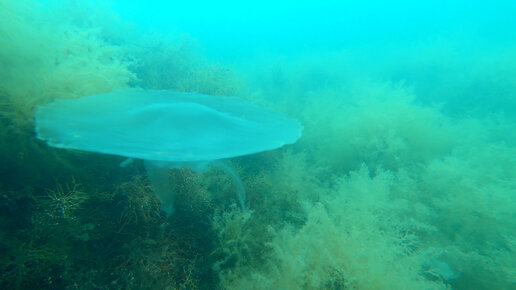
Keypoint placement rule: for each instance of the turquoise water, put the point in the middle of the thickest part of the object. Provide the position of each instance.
(404, 176)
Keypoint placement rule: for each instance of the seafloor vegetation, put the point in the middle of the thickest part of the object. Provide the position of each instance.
(405, 177)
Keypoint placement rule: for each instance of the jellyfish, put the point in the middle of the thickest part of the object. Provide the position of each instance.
(167, 129)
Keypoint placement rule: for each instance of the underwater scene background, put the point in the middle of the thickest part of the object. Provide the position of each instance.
(404, 177)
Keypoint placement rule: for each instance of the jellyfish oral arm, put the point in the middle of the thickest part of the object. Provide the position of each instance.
(158, 173)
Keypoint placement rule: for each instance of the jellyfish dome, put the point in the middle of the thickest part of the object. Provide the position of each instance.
(164, 126)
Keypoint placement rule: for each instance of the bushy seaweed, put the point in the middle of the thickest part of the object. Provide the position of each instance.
(411, 198)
